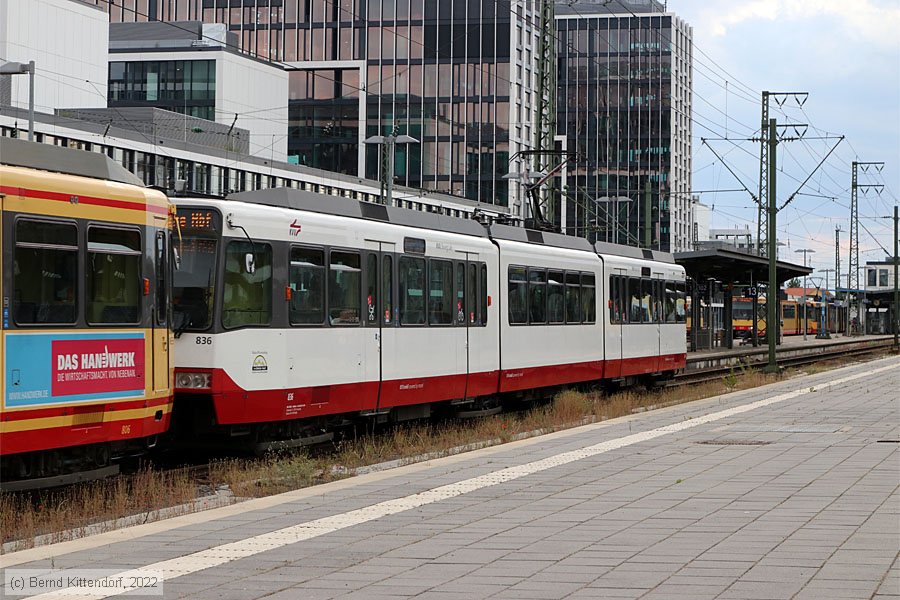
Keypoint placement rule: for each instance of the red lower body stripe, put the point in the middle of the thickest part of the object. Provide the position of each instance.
(234, 405)
(50, 438)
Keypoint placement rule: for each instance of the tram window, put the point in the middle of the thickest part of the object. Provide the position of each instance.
(484, 295)
(788, 311)
(613, 299)
(646, 300)
(247, 297)
(471, 298)
(537, 296)
(460, 307)
(556, 297)
(634, 300)
(387, 288)
(113, 275)
(51, 250)
(518, 295)
(307, 282)
(573, 298)
(440, 293)
(659, 296)
(194, 283)
(372, 289)
(671, 299)
(412, 290)
(588, 298)
(344, 288)
(162, 278)
(680, 301)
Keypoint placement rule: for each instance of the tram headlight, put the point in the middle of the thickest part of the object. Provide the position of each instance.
(193, 381)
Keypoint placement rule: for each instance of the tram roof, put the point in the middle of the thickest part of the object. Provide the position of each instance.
(545, 238)
(358, 209)
(295, 199)
(634, 252)
(57, 159)
(733, 266)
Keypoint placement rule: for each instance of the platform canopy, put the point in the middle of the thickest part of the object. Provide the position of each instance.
(731, 266)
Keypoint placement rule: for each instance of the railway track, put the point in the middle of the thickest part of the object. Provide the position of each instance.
(786, 358)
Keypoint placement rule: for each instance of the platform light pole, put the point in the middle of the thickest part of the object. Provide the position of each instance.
(388, 143)
(17, 68)
(614, 200)
(805, 251)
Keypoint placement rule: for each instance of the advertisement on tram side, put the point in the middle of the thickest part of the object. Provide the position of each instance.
(56, 368)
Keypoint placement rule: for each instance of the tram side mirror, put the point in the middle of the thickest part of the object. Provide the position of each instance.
(250, 262)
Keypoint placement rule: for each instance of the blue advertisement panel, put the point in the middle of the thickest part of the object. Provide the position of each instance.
(45, 369)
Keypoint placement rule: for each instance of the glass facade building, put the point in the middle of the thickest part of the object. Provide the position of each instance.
(182, 86)
(453, 74)
(624, 108)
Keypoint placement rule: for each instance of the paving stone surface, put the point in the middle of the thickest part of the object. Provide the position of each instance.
(799, 499)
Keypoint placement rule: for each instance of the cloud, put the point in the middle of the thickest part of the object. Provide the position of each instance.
(860, 20)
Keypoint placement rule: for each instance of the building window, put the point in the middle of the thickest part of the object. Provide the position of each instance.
(182, 86)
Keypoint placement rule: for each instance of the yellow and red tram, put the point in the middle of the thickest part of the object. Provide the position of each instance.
(86, 337)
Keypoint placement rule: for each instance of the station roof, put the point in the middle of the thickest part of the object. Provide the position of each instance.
(734, 266)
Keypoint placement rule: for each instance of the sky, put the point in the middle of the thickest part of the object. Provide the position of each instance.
(846, 55)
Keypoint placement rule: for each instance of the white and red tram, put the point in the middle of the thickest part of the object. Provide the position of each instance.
(296, 312)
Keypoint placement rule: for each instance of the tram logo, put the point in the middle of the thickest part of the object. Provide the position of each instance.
(259, 364)
(294, 228)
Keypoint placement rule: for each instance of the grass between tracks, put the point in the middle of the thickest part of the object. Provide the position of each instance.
(151, 494)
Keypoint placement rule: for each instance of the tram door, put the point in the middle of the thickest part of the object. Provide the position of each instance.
(615, 332)
(658, 307)
(380, 314)
(466, 314)
(159, 321)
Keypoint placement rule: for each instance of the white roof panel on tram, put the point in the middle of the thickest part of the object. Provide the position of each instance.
(291, 198)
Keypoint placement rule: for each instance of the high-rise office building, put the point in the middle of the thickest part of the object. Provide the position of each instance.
(456, 75)
(624, 109)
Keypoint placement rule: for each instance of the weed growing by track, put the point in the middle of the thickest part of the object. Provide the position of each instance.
(94, 507)
(153, 494)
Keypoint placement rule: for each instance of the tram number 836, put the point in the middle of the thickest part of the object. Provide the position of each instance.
(203, 340)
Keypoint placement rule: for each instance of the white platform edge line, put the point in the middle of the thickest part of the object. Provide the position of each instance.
(226, 553)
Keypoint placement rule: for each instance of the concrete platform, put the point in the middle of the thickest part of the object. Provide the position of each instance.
(787, 491)
(792, 346)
